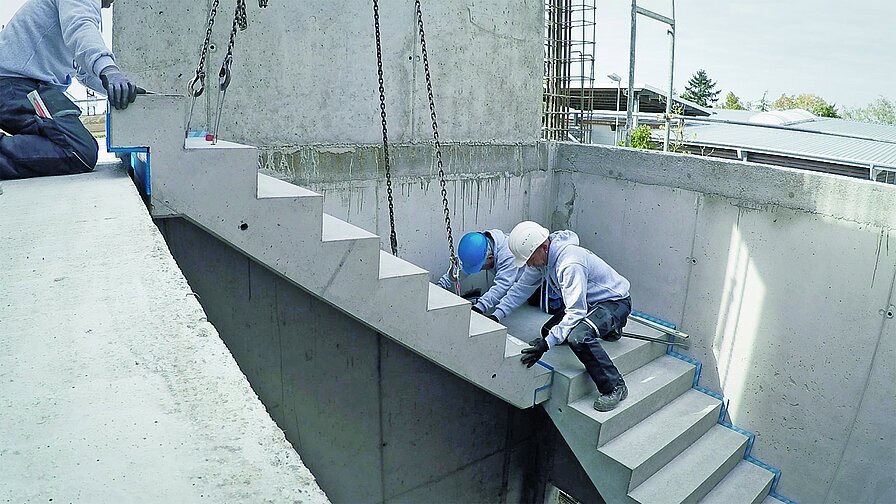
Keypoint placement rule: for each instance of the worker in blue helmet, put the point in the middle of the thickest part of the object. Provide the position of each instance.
(484, 250)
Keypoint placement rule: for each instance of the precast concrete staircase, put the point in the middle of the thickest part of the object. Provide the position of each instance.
(666, 443)
(663, 444)
(284, 227)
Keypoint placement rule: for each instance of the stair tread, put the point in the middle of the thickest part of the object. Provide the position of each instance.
(272, 187)
(566, 362)
(641, 383)
(392, 267)
(337, 229)
(745, 481)
(771, 500)
(481, 325)
(680, 478)
(638, 444)
(440, 298)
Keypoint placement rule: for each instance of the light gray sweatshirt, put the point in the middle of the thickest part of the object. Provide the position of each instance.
(582, 277)
(50, 40)
(505, 272)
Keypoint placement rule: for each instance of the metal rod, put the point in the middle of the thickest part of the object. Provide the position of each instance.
(631, 77)
(655, 340)
(671, 79)
(659, 327)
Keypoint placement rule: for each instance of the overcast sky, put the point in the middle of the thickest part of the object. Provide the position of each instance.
(839, 50)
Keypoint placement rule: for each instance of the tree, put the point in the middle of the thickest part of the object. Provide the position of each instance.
(810, 102)
(762, 104)
(701, 90)
(881, 110)
(732, 102)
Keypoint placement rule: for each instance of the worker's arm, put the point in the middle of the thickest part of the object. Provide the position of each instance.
(505, 276)
(519, 292)
(573, 280)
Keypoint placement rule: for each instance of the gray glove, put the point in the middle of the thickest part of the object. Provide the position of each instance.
(120, 90)
(533, 353)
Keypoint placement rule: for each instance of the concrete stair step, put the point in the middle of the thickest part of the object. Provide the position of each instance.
(656, 440)
(650, 387)
(335, 229)
(394, 267)
(771, 500)
(440, 299)
(690, 476)
(746, 483)
(271, 187)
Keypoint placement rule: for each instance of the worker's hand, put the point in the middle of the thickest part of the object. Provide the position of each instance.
(477, 310)
(534, 352)
(120, 90)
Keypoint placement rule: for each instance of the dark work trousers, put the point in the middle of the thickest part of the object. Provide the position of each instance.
(37, 146)
(608, 317)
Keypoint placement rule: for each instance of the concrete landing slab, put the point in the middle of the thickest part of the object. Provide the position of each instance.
(113, 385)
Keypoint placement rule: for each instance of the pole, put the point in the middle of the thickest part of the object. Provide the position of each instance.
(618, 94)
(671, 76)
(630, 104)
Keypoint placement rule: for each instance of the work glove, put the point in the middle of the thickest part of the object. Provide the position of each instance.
(492, 317)
(120, 90)
(477, 310)
(532, 354)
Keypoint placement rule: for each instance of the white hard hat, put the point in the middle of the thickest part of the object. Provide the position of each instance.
(524, 239)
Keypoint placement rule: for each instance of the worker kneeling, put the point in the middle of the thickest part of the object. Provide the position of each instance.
(596, 299)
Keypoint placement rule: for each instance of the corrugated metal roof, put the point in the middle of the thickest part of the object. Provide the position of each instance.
(821, 140)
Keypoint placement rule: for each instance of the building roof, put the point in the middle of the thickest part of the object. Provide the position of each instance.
(650, 99)
(799, 135)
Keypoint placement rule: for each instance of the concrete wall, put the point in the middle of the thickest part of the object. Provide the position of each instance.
(305, 72)
(783, 279)
(373, 421)
(488, 186)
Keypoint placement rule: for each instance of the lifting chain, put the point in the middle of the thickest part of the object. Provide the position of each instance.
(199, 78)
(455, 263)
(393, 240)
(240, 22)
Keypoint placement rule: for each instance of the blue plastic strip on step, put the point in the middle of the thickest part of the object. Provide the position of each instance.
(142, 172)
(723, 412)
(546, 386)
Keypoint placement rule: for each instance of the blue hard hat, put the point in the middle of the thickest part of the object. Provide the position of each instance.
(472, 252)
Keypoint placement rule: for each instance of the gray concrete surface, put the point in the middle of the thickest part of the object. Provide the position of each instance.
(305, 73)
(783, 279)
(374, 421)
(113, 385)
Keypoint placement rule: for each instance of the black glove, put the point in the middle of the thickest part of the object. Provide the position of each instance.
(120, 90)
(477, 310)
(492, 317)
(533, 353)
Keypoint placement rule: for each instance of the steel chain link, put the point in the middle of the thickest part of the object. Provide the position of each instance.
(435, 134)
(393, 240)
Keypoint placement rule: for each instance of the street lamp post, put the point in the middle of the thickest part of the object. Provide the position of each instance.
(618, 80)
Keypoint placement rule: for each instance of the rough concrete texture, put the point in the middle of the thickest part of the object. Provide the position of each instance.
(376, 422)
(783, 279)
(113, 385)
(488, 187)
(305, 72)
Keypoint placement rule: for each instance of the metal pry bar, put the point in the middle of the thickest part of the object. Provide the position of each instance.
(659, 327)
(671, 341)
(223, 83)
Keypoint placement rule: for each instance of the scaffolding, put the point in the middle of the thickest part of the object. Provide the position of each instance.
(569, 34)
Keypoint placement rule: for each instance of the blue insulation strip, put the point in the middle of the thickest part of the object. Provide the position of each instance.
(723, 413)
(142, 171)
(546, 386)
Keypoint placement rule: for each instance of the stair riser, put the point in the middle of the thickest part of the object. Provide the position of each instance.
(666, 454)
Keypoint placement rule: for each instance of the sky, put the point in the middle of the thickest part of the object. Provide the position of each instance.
(839, 50)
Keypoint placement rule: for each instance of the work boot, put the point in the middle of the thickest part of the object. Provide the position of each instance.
(608, 402)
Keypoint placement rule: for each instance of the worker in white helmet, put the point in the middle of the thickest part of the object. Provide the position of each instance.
(596, 298)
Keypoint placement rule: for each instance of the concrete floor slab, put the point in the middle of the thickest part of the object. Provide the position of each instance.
(113, 385)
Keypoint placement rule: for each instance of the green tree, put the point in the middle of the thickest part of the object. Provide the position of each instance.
(701, 90)
(762, 105)
(881, 110)
(810, 102)
(732, 102)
